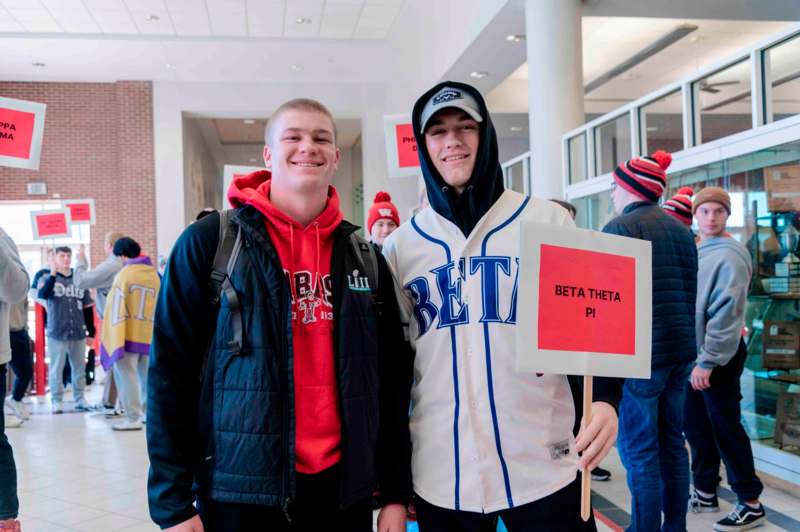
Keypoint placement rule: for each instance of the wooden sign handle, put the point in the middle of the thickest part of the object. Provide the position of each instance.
(586, 477)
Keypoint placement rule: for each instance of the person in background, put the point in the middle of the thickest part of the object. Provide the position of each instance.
(576, 382)
(383, 218)
(651, 443)
(713, 412)
(129, 329)
(70, 328)
(21, 359)
(13, 287)
(679, 206)
(101, 278)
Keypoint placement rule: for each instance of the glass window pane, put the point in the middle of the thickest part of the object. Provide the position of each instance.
(516, 177)
(784, 75)
(661, 123)
(577, 158)
(593, 211)
(612, 144)
(723, 101)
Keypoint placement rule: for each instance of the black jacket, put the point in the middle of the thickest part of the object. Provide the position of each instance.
(230, 435)
(674, 278)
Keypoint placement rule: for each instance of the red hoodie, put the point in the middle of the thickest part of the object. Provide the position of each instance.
(305, 254)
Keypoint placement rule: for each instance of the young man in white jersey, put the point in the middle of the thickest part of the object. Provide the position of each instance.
(487, 441)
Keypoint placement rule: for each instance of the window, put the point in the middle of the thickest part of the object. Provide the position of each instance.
(782, 71)
(612, 144)
(722, 103)
(661, 124)
(577, 159)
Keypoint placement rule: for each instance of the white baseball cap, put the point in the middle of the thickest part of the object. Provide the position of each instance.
(450, 97)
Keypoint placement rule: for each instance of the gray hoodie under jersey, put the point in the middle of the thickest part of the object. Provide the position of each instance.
(723, 279)
(101, 278)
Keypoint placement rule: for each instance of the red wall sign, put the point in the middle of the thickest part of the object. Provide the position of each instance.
(587, 301)
(16, 132)
(406, 146)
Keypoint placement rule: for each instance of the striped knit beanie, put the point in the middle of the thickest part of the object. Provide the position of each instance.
(645, 177)
(679, 206)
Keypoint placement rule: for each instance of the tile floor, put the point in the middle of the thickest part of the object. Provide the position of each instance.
(75, 473)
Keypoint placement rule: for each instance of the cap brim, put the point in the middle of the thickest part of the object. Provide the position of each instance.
(467, 109)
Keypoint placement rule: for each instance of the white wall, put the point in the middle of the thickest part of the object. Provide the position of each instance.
(343, 182)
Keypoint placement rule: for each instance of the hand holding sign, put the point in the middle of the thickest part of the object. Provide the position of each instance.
(585, 309)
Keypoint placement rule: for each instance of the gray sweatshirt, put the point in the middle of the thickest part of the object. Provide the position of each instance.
(723, 279)
(13, 289)
(101, 278)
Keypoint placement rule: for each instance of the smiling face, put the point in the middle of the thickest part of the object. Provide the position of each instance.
(712, 218)
(301, 150)
(452, 140)
(381, 229)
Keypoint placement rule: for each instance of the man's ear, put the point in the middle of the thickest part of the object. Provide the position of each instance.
(267, 157)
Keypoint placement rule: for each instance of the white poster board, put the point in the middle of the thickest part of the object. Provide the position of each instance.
(584, 303)
(401, 146)
(21, 133)
(81, 211)
(53, 223)
(230, 171)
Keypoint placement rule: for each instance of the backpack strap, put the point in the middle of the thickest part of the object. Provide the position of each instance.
(229, 246)
(365, 254)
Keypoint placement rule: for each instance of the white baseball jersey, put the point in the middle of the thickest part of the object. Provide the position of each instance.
(485, 437)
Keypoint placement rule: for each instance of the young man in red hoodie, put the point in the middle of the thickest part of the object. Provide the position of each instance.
(294, 428)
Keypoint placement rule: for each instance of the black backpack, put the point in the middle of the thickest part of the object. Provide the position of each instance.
(229, 246)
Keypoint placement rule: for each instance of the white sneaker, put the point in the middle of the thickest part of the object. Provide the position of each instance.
(13, 422)
(18, 408)
(57, 408)
(82, 406)
(127, 424)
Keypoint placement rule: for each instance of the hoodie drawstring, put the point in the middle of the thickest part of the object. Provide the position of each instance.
(316, 273)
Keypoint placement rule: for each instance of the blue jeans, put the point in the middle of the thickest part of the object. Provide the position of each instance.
(652, 450)
(9, 504)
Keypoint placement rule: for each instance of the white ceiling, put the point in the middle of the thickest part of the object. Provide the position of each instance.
(334, 19)
(608, 41)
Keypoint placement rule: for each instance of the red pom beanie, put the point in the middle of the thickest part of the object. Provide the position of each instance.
(679, 206)
(382, 207)
(645, 177)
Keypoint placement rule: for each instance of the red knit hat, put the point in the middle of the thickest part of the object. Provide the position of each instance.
(382, 207)
(645, 177)
(679, 206)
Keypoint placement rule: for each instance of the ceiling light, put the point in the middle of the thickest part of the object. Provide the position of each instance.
(253, 160)
(652, 128)
(515, 37)
(302, 20)
(170, 66)
(249, 121)
(296, 68)
(152, 18)
(515, 129)
(479, 74)
(38, 64)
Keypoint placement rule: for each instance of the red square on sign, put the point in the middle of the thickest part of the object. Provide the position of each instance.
(51, 224)
(587, 301)
(16, 133)
(80, 212)
(406, 146)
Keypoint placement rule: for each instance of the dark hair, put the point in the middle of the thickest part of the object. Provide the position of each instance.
(567, 205)
(64, 249)
(127, 247)
(205, 212)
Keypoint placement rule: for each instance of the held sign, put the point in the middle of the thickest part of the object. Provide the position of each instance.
(51, 224)
(584, 303)
(21, 132)
(81, 211)
(401, 146)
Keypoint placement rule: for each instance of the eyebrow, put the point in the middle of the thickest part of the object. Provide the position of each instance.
(301, 130)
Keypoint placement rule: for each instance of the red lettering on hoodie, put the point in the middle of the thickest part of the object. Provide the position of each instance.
(305, 254)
